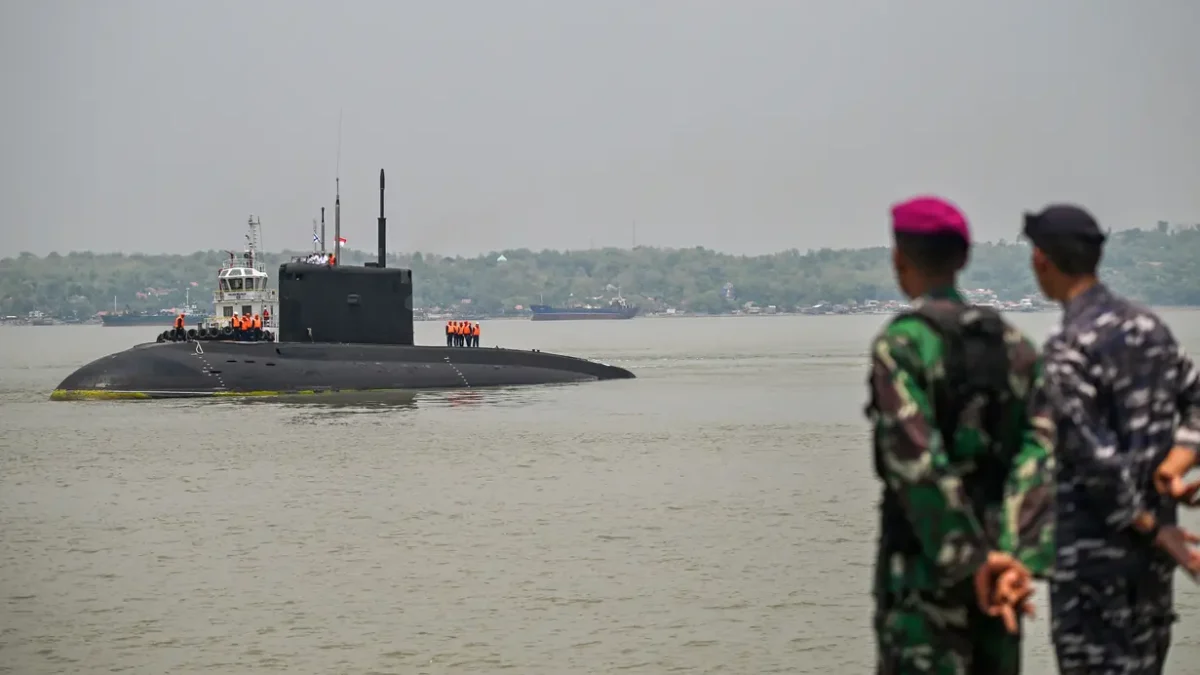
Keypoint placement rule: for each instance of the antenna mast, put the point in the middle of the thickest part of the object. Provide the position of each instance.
(254, 238)
(323, 249)
(382, 226)
(337, 199)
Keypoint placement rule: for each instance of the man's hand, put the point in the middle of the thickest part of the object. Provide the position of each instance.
(1168, 478)
(1178, 543)
(1011, 597)
(1002, 588)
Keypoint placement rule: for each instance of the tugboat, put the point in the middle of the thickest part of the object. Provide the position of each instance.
(242, 290)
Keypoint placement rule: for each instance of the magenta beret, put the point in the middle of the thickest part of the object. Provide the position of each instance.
(928, 216)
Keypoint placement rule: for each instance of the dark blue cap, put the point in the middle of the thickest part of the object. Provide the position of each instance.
(1062, 222)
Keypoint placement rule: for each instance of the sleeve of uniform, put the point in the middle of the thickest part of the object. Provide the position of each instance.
(915, 464)
(1027, 526)
(1087, 440)
(1188, 433)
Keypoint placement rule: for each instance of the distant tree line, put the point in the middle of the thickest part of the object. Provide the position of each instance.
(1159, 266)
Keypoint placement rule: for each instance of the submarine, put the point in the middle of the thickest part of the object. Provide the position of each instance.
(339, 329)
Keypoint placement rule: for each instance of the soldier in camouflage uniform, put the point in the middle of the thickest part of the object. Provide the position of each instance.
(1115, 380)
(968, 481)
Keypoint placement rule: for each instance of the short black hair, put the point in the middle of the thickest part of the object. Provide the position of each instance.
(1073, 256)
(938, 254)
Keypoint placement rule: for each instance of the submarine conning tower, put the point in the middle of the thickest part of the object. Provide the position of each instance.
(371, 304)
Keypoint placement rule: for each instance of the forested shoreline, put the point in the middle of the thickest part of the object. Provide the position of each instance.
(1159, 266)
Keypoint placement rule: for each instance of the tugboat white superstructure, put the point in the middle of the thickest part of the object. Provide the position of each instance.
(242, 291)
(242, 284)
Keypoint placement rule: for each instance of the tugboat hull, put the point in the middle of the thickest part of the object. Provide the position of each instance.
(224, 368)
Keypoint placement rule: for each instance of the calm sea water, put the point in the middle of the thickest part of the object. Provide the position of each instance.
(715, 515)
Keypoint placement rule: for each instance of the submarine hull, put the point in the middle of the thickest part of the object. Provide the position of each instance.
(220, 368)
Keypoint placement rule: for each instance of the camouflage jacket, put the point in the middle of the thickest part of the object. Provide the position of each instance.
(1116, 382)
(928, 472)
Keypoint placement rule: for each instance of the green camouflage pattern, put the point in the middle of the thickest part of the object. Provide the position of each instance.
(923, 637)
(926, 597)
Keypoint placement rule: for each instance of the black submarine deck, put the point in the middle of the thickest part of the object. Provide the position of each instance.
(228, 368)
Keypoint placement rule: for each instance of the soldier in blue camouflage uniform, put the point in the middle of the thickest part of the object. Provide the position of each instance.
(1115, 379)
(968, 481)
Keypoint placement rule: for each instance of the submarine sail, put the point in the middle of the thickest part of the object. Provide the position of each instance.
(340, 328)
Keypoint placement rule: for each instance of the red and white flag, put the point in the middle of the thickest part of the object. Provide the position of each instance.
(342, 241)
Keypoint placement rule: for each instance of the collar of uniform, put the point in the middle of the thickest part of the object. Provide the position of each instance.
(942, 293)
(1076, 305)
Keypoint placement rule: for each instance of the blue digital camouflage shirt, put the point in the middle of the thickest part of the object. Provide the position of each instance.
(1120, 392)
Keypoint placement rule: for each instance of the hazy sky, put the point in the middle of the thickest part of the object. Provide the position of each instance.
(741, 125)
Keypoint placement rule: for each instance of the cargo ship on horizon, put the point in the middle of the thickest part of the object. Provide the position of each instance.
(617, 309)
(162, 317)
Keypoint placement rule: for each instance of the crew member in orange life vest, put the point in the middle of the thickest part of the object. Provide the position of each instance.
(449, 333)
(180, 331)
(458, 334)
(475, 334)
